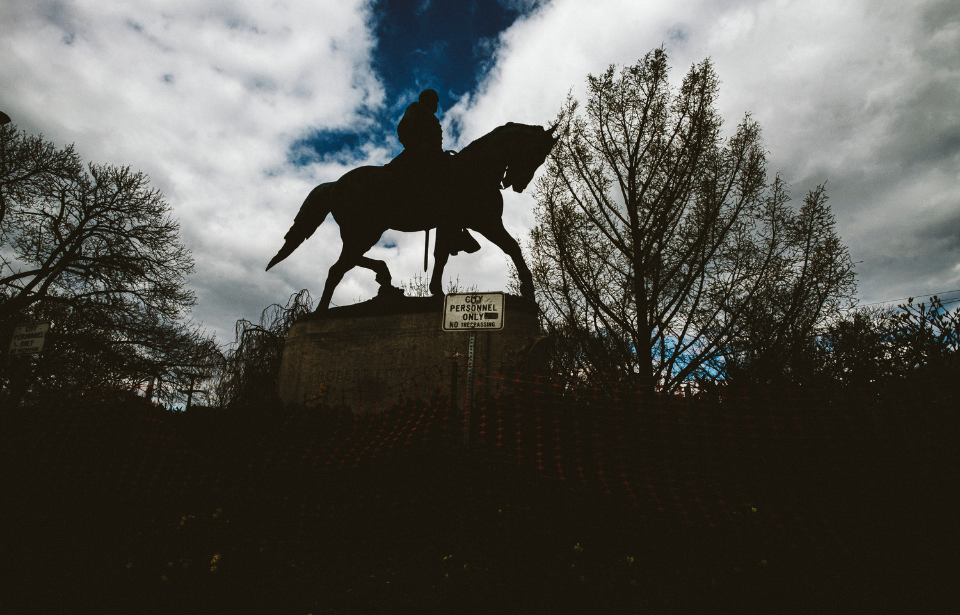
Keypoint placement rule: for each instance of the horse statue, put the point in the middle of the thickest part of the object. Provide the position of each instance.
(368, 200)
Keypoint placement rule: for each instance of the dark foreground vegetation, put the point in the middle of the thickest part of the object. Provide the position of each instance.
(113, 505)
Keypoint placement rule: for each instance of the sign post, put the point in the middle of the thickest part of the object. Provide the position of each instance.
(472, 312)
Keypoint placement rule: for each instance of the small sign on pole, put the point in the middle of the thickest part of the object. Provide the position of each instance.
(28, 339)
(472, 312)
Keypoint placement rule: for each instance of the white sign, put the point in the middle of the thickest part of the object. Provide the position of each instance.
(473, 311)
(28, 339)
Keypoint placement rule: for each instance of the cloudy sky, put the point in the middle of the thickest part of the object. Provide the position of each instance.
(237, 108)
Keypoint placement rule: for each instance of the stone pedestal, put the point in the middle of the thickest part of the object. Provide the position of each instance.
(376, 346)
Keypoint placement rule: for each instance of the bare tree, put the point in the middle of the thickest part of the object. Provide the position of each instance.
(94, 250)
(29, 166)
(809, 285)
(659, 243)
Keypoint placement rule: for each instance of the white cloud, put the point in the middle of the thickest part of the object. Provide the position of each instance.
(860, 93)
(206, 98)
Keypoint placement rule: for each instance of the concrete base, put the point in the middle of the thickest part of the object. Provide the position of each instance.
(377, 345)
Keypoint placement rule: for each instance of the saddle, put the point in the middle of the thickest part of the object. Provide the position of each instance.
(425, 173)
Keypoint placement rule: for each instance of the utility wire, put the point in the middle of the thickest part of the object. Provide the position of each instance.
(947, 292)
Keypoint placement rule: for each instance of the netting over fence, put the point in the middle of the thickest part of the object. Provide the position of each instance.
(779, 460)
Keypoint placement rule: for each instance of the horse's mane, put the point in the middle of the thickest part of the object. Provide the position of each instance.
(493, 137)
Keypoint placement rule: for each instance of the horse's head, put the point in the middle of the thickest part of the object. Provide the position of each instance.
(530, 148)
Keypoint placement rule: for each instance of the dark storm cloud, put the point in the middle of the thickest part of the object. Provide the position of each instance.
(942, 235)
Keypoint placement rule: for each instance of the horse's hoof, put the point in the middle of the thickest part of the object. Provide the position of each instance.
(390, 292)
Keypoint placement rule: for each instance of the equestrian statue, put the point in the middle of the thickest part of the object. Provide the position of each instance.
(425, 188)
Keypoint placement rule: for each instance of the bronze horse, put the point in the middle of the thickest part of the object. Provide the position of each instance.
(367, 201)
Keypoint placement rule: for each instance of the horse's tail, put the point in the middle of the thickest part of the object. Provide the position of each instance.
(311, 215)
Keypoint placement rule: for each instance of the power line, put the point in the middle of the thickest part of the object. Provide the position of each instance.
(946, 292)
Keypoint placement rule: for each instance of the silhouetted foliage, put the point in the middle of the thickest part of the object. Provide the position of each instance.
(914, 347)
(660, 249)
(30, 168)
(809, 284)
(914, 344)
(854, 351)
(78, 352)
(926, 341)
(95, 252)
(249, 375)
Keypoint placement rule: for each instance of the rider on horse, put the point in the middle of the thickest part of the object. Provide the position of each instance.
(419, 131)
(423, 159)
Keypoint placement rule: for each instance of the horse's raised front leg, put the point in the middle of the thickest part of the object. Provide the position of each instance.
(502, 239)
(384, 278)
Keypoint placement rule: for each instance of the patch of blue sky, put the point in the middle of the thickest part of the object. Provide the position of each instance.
(445, 45)
(325, 145)
(685, 354)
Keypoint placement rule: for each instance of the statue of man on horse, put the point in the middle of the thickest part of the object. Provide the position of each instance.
(427, 164)
(425, 188)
